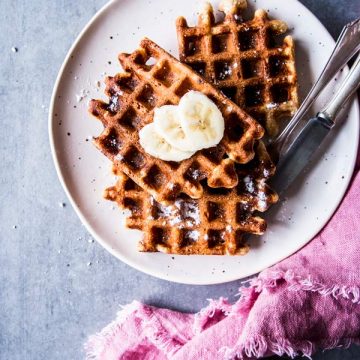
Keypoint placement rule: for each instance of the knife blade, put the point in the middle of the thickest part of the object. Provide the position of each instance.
(300, 152)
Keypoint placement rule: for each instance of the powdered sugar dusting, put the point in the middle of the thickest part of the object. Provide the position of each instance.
(249, 184)
(195, 174)
(166, 211)
(225, 72)
(271, 105)
(183, 212)
(119, 157)
(169, 212)
(194, 235)
(191, 211)
(262, 203)
(175, 220)
(113, 143)
(114, 103)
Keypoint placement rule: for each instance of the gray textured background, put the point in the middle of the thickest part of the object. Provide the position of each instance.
(51, 297)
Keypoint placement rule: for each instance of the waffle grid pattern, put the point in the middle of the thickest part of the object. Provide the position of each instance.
(247, 60)
(133, 96)
(215, 224)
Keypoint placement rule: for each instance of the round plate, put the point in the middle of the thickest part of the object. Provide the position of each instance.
(85, 172)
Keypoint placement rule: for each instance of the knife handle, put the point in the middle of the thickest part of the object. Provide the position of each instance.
(347, 88)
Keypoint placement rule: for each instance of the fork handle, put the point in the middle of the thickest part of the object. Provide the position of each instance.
(347, 88)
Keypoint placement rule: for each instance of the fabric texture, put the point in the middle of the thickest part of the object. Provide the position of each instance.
(309, 301)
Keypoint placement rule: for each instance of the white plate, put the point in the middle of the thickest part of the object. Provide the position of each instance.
(85, 172)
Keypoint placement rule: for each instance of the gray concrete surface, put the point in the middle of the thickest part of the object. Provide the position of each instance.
(51, 298)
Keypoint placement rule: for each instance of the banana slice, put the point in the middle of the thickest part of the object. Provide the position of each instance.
(201, 121)
(155, 145)
(167, 125)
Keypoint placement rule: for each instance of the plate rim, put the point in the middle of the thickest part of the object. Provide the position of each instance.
(99, 239)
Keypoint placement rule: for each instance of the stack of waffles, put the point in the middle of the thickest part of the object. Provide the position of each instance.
(208, 203)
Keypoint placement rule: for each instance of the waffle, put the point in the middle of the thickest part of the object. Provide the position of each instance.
(213, 225)
(247, 60)
(133, 96)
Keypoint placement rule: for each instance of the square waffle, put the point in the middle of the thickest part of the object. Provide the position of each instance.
(215, 224)
(134, 94)
(247, 60)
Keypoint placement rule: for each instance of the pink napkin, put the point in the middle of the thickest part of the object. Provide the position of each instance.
(309, 301)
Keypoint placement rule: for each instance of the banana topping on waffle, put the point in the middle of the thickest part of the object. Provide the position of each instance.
(178, 131)
(213, 225)
(154, 78)
(249, 61)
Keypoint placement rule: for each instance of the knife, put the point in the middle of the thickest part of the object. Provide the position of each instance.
(303, 147)
(347, 45)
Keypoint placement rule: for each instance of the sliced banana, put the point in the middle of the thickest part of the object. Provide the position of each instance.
(167, 125)
(201, 121)
(155, 145)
